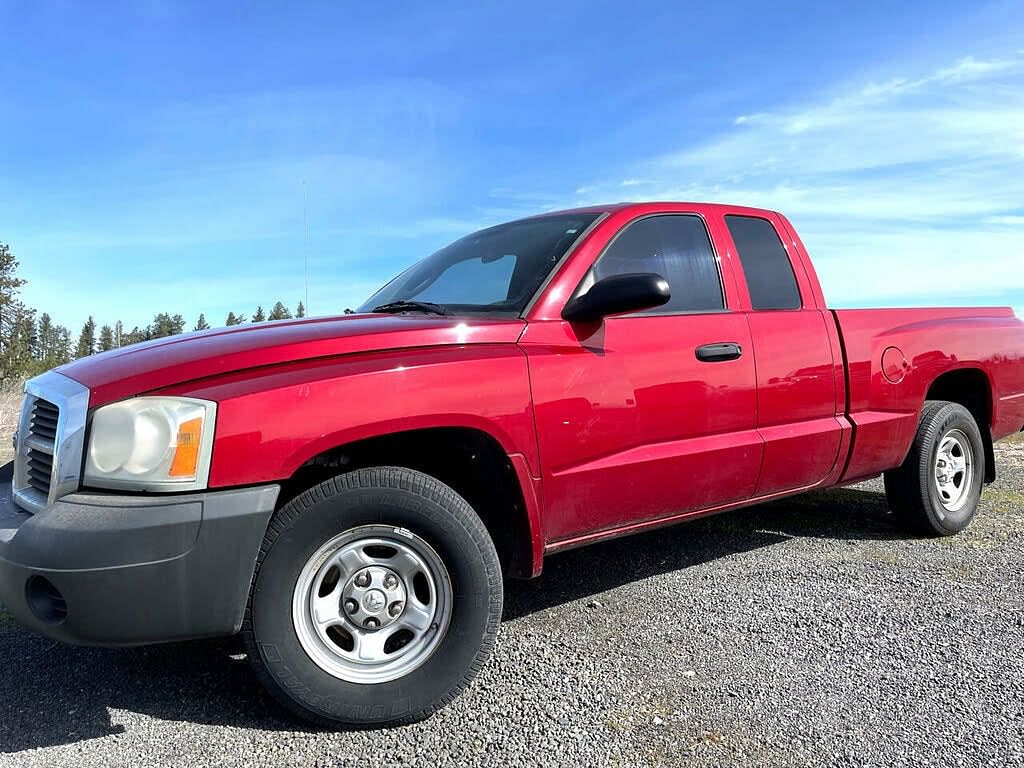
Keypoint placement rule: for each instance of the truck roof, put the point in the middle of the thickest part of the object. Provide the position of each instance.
(651, 206)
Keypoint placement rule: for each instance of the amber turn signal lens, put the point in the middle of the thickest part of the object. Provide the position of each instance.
(186, 454)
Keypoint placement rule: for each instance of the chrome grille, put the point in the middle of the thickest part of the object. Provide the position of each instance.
(50, 440)
(38, 444)
(44, 420)
(39, 467)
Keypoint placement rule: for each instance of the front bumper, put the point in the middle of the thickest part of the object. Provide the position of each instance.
(106, 569)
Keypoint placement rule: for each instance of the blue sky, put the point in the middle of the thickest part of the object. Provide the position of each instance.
(154, 156)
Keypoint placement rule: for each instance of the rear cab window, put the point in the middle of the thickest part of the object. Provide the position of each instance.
(771, 281)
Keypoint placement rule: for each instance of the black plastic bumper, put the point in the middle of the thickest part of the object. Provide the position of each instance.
(105, 569)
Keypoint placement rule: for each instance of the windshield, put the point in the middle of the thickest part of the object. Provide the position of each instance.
(494, 270)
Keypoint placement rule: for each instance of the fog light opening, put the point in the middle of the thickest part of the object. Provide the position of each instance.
(45, 600)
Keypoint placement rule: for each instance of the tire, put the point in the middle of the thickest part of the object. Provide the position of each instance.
(923, 492)
(351, 521)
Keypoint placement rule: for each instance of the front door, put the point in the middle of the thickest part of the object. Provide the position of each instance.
(641, 416)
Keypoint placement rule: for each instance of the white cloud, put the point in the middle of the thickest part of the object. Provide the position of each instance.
(916, 265)
(951, 134)
(906, 188)
(1010, 221)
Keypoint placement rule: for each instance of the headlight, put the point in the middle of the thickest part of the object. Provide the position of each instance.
(151, 444)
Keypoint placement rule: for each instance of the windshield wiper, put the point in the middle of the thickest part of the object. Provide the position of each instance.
(412, 306)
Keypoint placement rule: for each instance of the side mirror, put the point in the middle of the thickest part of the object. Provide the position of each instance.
(618, 294)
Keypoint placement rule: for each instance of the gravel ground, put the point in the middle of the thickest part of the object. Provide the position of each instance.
(805, 632)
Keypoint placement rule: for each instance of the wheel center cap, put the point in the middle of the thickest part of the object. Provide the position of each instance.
(373, 598)
(374, 601)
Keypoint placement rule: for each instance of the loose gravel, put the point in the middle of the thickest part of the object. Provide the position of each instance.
(804, 632)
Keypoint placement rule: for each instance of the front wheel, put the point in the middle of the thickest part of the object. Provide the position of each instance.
(937, 489)
(376, 599)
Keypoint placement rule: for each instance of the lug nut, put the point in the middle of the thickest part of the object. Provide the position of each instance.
(395, 609)
(363, 579)
(391, 581)
(372, 623)
(351, 606)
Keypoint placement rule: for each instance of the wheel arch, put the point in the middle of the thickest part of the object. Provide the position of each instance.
(497, 484)
(971, 388)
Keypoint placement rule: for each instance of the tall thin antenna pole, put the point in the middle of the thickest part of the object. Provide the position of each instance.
(305, 235)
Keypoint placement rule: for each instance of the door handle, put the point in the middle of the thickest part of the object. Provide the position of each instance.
(719, 353)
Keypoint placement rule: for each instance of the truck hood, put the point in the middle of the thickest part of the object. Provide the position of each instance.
(153, 365)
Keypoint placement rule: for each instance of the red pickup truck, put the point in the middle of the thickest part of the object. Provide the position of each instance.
(348, 492)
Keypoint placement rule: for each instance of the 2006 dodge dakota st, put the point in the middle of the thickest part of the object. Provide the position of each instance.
(348, 492)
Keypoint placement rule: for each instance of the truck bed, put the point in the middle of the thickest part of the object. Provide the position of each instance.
(919, 347)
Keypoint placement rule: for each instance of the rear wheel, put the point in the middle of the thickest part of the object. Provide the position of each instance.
(937, 489)
(376, 599)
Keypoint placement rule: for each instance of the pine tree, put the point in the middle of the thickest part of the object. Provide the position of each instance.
(21, 343)
(29, 333)
(300, 311)
(201, 324)
(234, 319)
(9, 287)
(161, 325)
(53, 347)
(86, 339)
(11, 314)
(259, 316)
(166, 325)
(45, 330)
(135, 335)
(106, 339)
(61, 352)
(279, 312)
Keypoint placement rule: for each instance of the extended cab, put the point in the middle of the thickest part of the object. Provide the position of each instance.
(348, 492)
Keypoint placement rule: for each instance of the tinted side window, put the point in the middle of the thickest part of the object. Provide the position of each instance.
(770, 277)
(677, 248)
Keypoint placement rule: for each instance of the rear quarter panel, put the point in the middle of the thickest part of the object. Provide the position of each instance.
(933, 342)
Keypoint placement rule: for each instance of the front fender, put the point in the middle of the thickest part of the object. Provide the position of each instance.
(271, 421)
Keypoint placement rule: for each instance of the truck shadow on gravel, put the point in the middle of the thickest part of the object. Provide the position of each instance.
(842, 513)
(51, 694)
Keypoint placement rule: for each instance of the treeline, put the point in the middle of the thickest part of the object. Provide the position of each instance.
(32, 342)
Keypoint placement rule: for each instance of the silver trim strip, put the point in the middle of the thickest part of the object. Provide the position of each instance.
(72, 400)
